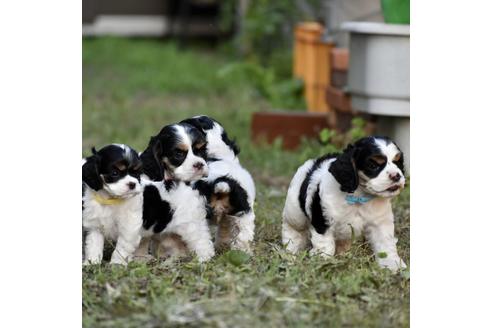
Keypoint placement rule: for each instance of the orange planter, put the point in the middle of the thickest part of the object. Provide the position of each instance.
(312, 64)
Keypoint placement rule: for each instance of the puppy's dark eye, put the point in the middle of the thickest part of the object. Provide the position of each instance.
(178, 153)
(199, 149)
(372, 164)
(115, 173)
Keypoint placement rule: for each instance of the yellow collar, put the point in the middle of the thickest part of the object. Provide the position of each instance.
(106, 201)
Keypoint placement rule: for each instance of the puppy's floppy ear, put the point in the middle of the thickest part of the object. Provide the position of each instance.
(344, 170)
(90, 171)
(151, 159)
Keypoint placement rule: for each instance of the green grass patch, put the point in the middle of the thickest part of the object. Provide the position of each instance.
(130, 90)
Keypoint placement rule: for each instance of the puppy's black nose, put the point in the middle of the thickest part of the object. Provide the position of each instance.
(198, 165)
(395, 176)
(131, 185)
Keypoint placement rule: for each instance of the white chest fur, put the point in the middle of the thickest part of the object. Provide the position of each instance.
(111, 219)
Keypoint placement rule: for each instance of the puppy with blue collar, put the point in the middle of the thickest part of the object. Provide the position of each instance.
(336, 195)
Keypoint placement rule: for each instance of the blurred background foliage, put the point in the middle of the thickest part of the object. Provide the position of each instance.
(263, 43)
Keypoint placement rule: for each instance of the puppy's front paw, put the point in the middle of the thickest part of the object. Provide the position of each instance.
(319, 252)
(91, 261)
(394, 264)
(205, 256)
(118, 260)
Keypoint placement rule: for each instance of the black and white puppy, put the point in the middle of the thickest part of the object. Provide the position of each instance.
(172, 209)
(112, 202)
(336, 194)
(229, 187)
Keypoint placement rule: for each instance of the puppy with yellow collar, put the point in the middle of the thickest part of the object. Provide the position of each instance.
(112, 202)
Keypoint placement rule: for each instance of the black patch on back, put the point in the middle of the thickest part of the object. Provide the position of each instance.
(238, 198)
(231, 143)
(157, 213)
(317, 219)
(205, 123)
(201, 122)
(307, 179)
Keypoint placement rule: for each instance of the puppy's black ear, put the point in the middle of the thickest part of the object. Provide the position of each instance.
(344, 170)
(90, 171)
(151, 159)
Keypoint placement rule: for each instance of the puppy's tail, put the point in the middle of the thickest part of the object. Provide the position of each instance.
(222, 187)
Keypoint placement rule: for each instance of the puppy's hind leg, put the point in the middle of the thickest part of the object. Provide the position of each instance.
(224, 233)
(142, 252)
(294, 240)
(170, 245)
(245, 230)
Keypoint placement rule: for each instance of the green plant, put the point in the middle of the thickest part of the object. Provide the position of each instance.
(269, 25)
(281, 93)
(333, 141)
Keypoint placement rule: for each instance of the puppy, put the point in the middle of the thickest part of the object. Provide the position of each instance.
(337, 194)
(172, 208)
(112, 202)
(229, 188)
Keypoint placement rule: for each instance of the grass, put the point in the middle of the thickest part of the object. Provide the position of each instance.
(130, 90)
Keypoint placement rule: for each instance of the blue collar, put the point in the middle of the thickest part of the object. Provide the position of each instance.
(352, 200)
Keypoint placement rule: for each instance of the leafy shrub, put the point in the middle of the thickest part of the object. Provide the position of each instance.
(264, 42)
(334, 141)
(281, 93)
